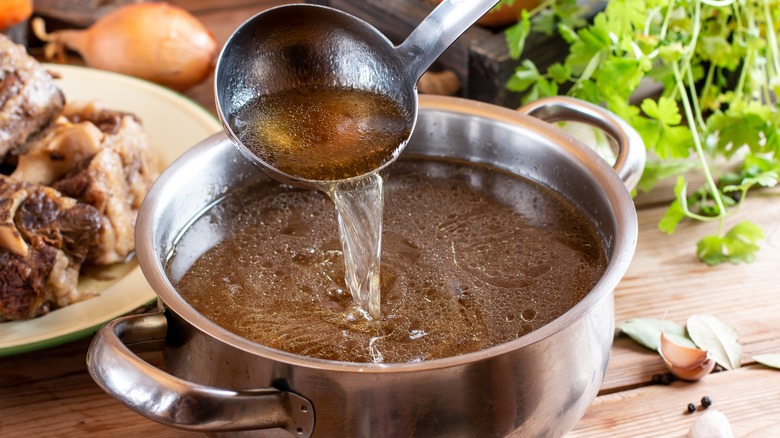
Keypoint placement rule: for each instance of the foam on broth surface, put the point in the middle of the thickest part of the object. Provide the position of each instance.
(472, 258)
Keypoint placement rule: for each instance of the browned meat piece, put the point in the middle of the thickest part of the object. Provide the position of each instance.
(115, 180)
(56, 232)
(125, 135)
(54, 154)
(29, 99)
(100, 182)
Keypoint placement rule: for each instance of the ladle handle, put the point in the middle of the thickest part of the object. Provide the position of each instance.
(438, 31)
(169, 400)
(631, 149)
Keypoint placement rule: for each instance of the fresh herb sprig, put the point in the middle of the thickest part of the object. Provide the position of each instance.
(717, 64)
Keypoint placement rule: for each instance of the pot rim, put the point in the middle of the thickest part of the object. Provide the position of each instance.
(615, 192)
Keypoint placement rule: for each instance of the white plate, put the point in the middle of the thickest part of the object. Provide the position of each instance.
(174, 123)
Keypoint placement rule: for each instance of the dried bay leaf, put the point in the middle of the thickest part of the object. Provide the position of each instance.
(770, 360)
(722, 341)
(647, 332)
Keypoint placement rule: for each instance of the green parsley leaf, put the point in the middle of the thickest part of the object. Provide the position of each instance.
(665, 110)
(740, 242)
(736, 246)
(524, 76)
(517, 34)
(710, 250)
(625, 15)
(558, 72)
(677, 210)
(718, 78)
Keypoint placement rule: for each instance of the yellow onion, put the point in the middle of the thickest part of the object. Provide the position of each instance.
(685, 362)
(158, 42)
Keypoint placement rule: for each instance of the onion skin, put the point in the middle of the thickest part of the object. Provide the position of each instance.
(158, 42)
(498, 18)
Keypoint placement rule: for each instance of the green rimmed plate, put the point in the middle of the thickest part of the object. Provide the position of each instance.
(173, 123)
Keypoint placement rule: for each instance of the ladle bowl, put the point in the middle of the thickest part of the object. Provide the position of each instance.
(309, 46)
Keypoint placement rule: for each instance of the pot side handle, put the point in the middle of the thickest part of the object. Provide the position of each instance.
(631, 154)
(169, 400)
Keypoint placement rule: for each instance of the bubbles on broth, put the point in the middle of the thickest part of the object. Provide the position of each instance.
(464, 266)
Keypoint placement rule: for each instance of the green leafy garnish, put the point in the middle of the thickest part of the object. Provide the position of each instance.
(717, 66)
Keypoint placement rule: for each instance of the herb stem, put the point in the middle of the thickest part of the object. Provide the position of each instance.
(593, 64)
(667, 20)
(708, 83)
(695, 101)
(650, 17)
(771, 37)
(767, 93)
(697, 142)
(542, 6)
(739, 90)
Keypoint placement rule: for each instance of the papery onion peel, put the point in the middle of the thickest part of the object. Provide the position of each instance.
(158, 42)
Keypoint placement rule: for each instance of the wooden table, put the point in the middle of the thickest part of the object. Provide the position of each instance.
(49, 393)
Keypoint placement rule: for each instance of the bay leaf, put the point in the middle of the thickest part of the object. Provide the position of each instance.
(721, 340)
(770, 360)
(647, 332)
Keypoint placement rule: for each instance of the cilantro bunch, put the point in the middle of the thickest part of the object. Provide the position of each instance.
(716, 65)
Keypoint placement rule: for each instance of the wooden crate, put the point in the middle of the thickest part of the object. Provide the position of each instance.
(479, 58)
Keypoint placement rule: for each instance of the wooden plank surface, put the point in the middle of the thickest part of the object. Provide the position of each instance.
(749, 397)
(666, 280)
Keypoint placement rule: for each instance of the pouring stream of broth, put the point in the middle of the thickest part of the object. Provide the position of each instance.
(336, 138)
(337, 104)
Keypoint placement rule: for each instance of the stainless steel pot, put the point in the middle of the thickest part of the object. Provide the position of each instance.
(537, 385)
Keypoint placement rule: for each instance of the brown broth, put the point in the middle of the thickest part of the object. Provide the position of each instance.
(471, 258)
(323, 133)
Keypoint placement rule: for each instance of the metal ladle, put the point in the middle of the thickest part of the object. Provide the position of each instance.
(315, 46)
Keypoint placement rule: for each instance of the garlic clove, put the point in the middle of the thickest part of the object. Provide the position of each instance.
(711, 424)
(684, 362)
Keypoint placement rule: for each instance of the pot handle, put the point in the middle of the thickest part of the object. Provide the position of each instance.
(169, 400)
(631, 149)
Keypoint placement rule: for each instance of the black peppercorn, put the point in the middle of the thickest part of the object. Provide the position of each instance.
(657, 379)
(706, 401)
(667, 378)
(691, 408)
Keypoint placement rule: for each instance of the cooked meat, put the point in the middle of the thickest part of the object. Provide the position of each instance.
(10, 237)
(100, 182)
(56, 231)
(125, 135)
(115, 180)
(52, 155)
(29, 99)
(78, 174)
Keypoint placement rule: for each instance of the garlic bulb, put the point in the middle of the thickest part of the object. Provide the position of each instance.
(685, 362)
(711, 424)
